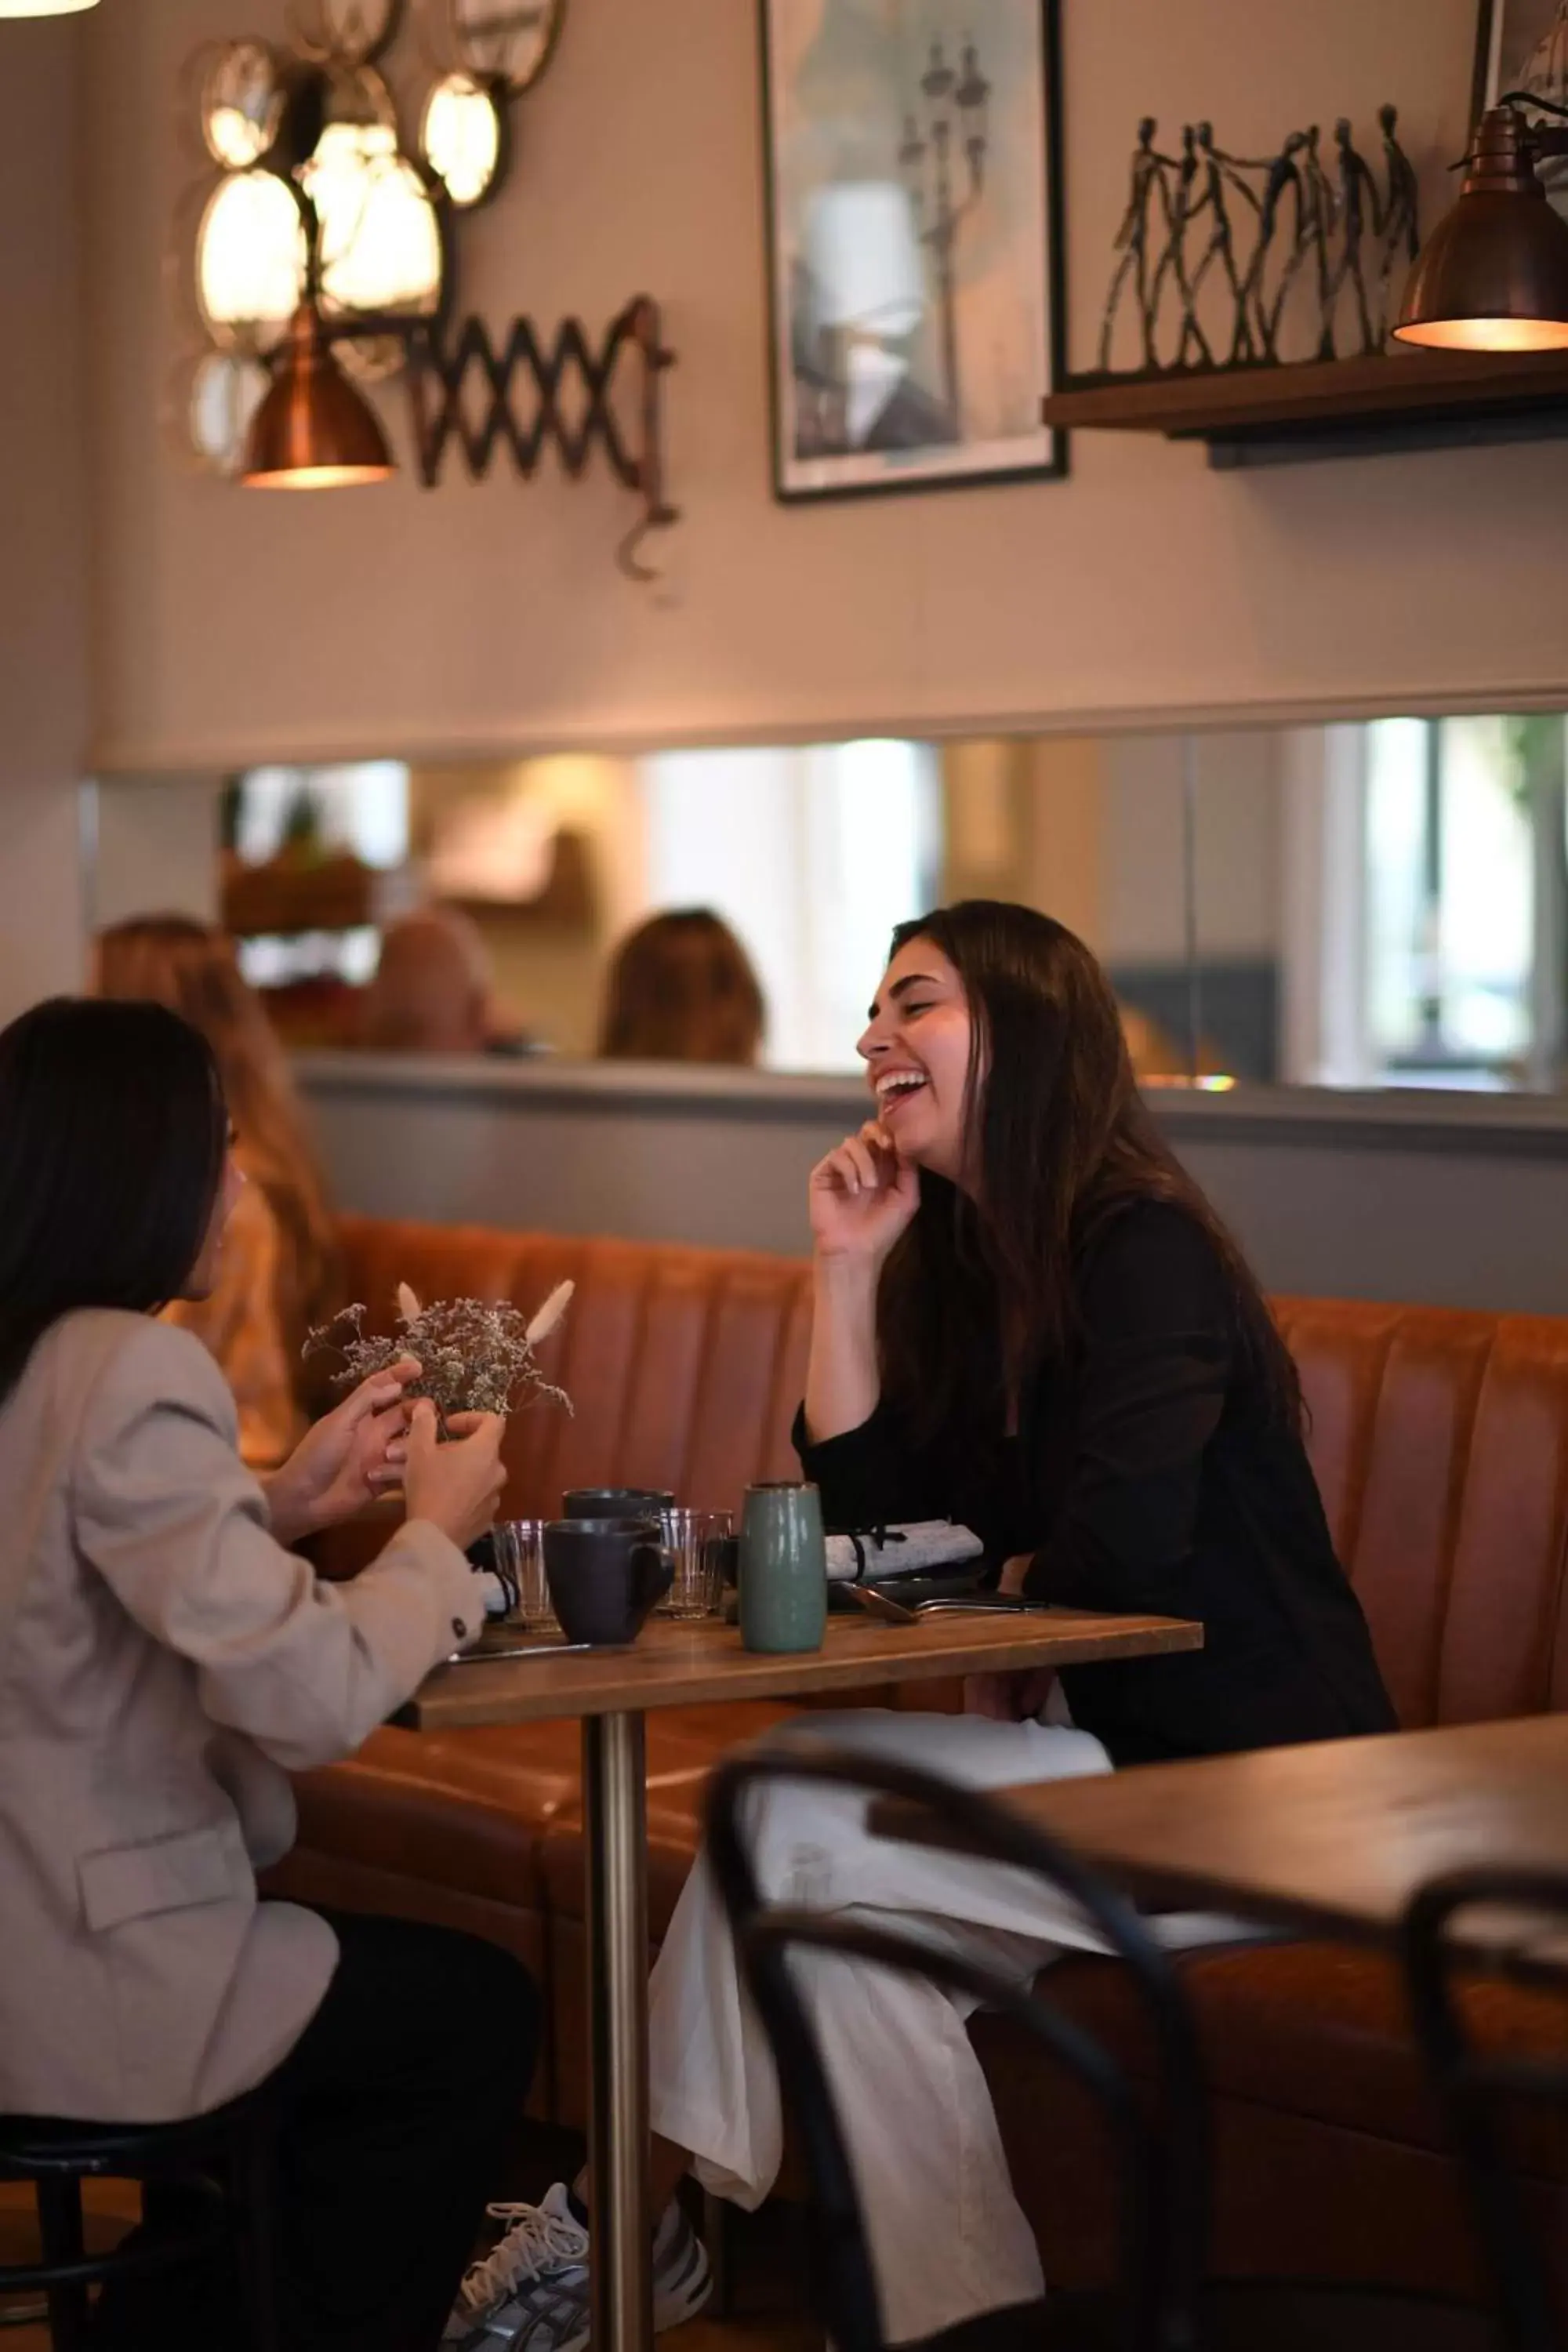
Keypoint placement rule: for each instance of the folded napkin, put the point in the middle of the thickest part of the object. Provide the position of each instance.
(871, 1554)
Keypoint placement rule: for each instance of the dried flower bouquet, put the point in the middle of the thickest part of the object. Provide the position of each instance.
(473, 1358)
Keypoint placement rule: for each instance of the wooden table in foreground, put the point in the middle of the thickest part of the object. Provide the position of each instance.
(611, 1691)
(1333, 1838)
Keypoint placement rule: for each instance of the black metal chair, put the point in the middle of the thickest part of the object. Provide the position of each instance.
(1161, 2145)
(220, 2167)
(1476, 2087)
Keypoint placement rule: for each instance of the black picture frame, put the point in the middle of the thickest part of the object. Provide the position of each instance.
(1487, 22)
(837, 474)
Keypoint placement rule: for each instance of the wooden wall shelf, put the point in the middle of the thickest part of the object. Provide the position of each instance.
(289, 895)
(1329, 407)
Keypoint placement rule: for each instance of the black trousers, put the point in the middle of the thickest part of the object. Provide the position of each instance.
(392, 2114)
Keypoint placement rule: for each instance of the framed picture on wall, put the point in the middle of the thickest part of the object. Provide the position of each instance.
(1523, 45)
(912, 154)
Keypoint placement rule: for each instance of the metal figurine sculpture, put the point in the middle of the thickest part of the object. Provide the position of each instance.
(1149, 182)
(1314, 224)
(1284, 177)
(1400, 218)
(1357, 201)
(1335, 219)
(1173, 262)
(1221, 171)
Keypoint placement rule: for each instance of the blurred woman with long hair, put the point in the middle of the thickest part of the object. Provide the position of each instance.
(278, 1277)
(681, 988)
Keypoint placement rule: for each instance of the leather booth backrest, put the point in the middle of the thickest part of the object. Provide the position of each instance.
(684, 1366)
(1439, 1439)
(1440, 1443)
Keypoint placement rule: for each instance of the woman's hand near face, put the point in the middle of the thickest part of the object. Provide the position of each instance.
(862, 1196)
(353, 1453)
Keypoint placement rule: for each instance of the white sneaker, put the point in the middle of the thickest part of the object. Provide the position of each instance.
(532, 2292)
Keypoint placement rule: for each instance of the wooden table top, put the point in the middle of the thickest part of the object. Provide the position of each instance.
(674, 1665)
(1333, 1836)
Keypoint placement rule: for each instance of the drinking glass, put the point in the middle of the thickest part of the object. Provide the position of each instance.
(519, 1564)
(696, 1540)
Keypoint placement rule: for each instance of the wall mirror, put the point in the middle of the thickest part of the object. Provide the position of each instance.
(1375, 904)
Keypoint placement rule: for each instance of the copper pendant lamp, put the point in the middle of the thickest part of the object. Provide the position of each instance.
(1493, 276)
(312, 430)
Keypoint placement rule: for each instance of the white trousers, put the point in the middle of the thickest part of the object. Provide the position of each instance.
(948, 2237)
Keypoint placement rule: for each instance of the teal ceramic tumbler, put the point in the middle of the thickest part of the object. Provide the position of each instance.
(782, 1568)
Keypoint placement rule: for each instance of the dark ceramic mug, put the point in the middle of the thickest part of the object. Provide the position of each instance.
(605, 1576)
(615, 1503)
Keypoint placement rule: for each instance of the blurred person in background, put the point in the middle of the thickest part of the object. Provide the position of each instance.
(682, 989)
(278, 1275)
(434, 991)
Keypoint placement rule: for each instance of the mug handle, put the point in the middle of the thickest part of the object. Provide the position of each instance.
(655, 1585)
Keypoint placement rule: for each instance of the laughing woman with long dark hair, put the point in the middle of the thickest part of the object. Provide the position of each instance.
(1027, 1318)
(164, 1662)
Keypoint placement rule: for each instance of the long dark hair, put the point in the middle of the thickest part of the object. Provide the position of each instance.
(1064, 1144)
(112, 1135)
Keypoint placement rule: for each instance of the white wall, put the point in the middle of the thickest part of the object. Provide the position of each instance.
(1237, 841)
(1322, 1028)
(154, 849)
(489, 617)
(44, 717)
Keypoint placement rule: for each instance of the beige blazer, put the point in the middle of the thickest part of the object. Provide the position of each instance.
(164, 1665)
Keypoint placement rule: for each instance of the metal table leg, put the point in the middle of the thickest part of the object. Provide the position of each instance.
(615, 1819)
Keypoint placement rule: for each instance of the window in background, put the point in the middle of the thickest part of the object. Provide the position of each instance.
(1425, 940)
(359, 807)
(1463, 833)
(297, 822)
(811, 856)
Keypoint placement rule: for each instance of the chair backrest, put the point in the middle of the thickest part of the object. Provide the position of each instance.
(1161, 2145)
(1439, 1438)
(1481, 2088)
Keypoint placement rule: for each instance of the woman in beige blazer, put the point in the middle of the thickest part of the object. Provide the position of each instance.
(164, 1662)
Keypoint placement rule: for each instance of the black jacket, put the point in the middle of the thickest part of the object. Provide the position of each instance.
(1148, 1473)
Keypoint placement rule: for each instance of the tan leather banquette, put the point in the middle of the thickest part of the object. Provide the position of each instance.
(1440, 1441)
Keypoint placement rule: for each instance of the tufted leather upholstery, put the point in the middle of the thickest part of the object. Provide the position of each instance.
(1440, 1444)
(683, 1365)
(1440, 1441)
